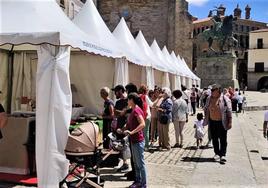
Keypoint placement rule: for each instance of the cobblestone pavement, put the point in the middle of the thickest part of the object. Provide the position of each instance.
(247, 164)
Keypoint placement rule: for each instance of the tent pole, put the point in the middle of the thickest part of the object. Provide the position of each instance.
(10, 78)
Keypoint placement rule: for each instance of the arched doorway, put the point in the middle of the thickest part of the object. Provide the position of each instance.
(263, 83)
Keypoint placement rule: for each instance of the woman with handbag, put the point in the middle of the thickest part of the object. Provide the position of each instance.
(218, 115)
(179, 117)
(165, 118)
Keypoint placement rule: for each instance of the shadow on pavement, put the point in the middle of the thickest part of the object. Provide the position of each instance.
(198, 160)
(195, 148)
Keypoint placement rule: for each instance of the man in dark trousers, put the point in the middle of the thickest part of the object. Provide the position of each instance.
(120, 106)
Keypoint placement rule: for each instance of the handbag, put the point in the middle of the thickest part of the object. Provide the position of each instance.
(163, 118)
(228, 125)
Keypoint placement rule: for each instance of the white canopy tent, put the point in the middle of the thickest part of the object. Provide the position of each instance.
(133, 53)
(43, 23)
(89, 20)
(191, 77)
(184, 72)
(142, 43)
(158, 53)
(175, 78)
(194, 78)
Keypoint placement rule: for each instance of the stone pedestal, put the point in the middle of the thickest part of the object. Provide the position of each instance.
(220, 69)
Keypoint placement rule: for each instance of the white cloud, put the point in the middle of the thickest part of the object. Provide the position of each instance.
(198, 2)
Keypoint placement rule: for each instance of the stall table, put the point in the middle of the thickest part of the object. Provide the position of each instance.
(13, 152)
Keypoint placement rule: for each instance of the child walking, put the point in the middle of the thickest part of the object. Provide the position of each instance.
(199, 130)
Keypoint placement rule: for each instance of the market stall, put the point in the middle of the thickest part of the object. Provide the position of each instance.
(133, 52)
(52, 35)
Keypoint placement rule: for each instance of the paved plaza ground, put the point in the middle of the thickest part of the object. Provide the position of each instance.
(246, 166)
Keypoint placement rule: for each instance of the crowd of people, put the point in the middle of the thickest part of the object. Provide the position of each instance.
(146, 116)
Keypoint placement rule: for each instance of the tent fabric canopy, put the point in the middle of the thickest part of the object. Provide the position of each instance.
(54, 28)
(89, 20)
(142, 43)
(158, 53)
(133, 53)
(28, 22)
(170, 61)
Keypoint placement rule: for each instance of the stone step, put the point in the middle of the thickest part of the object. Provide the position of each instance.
(256, 108)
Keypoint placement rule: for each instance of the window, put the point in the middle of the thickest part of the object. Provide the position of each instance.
(259, 43)
(198, 30)
(259, 67)
(247, 41)
(247, 28)
(62, 4)
(242, 28)
(252, 28)
(72, 11)
(241, 41)
(236, 27)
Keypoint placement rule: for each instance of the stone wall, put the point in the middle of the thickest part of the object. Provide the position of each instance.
(150, 16)
(167, 21)
(217, 69)
(183, 28)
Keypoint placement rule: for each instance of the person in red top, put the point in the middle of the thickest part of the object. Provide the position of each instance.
(134, 128)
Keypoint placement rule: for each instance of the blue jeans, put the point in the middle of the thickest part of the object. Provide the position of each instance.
(139, 162)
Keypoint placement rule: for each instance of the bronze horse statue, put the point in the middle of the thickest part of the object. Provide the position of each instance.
(221, 32)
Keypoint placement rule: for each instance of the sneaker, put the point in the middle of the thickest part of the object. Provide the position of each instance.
(176, 145)
(216, 157)
(135, 185)
(123, 168)
(209, 145)
(223, 159)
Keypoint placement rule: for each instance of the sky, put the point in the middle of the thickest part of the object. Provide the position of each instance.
(259, 8)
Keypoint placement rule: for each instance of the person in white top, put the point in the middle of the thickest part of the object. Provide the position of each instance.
(265, 125)
(240, 99)
(179, 117)
(199, 130)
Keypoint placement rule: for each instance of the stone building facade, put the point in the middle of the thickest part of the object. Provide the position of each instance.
(241, 29)
(258, 60)
(167, 21)
(71, 7)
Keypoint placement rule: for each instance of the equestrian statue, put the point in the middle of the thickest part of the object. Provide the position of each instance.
(222, 32)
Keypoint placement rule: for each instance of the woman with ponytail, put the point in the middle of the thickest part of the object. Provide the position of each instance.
(134, 128)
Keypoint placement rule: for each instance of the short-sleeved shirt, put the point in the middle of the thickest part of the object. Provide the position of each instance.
(120, 105)
(133, 123)
(266, 116)
(107, 105)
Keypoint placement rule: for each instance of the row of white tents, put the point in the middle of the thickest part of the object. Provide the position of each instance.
(83, 52)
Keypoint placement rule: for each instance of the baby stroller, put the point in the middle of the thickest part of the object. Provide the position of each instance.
(86, 156)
